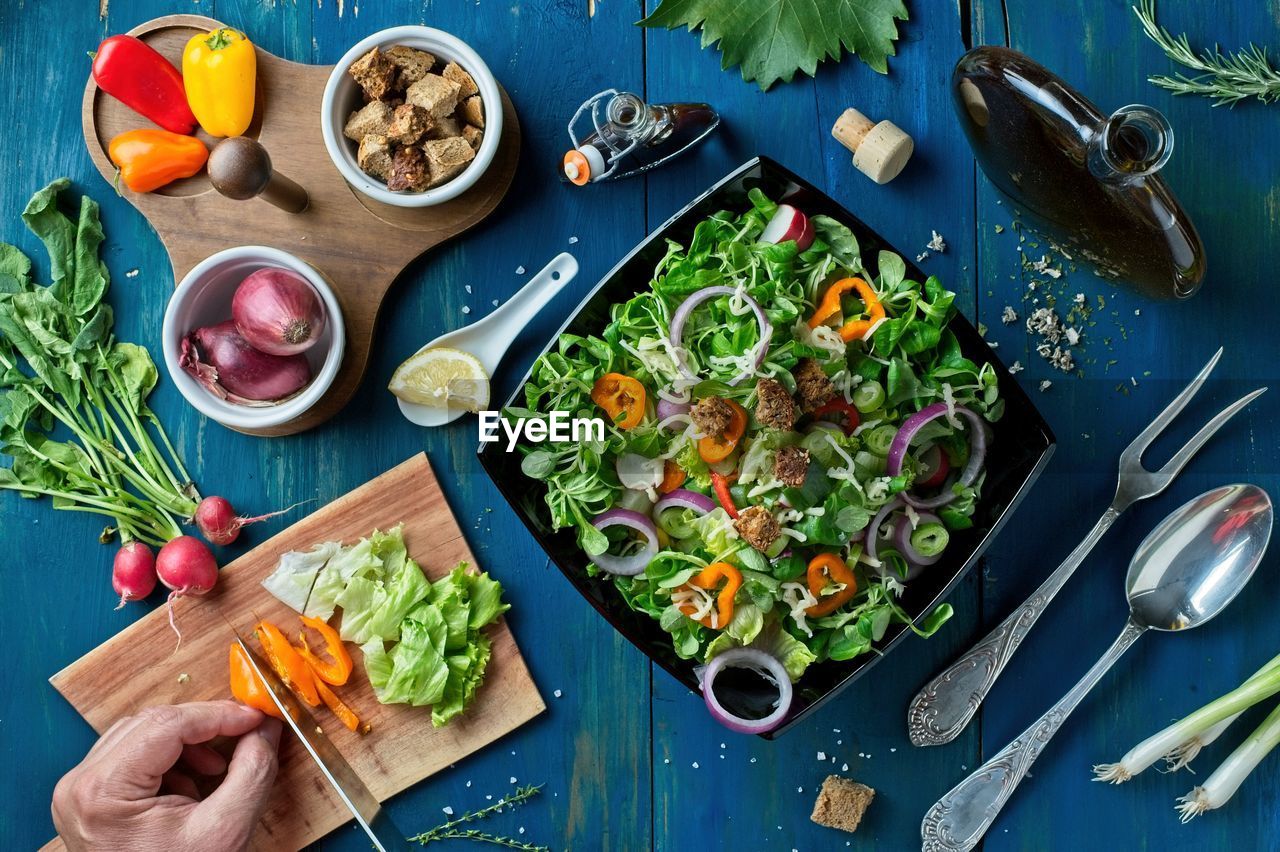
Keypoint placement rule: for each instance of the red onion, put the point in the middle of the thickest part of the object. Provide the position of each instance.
(873, 530)
(667, 408)
(686, 308)
(278, 311)
(902, 538)
(763, 664)
(912, 426)
(683, 498)
(224, 362)
(627, 566)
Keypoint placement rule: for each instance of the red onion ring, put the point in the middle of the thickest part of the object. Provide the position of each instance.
(676, 334)
(763, 664)
(683, 498)
(944, 496)
(627, 566)
(902, 538)
(666, 408)
(873, 529)
(912, 426)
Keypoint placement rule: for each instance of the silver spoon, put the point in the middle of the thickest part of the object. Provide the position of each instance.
(1183, 574)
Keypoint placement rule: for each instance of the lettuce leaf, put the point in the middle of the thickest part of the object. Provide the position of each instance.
(354, 561)
(296, 573)
(772, 639)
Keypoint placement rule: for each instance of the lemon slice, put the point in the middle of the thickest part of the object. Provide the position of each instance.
(442, 378)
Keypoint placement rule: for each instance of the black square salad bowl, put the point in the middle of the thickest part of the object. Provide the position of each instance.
(792, 446)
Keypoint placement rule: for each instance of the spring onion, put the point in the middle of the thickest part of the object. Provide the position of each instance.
(1228, 777)
(1182, 756)
(1200, 723)
(868, 396)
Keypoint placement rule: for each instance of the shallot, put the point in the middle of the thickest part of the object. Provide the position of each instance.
(220, 358)
(278, 312)
(133, 572)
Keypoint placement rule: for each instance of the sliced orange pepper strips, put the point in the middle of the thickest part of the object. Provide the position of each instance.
(247, 687)
(830, 307)
(707, 579)
(344, 713)
(714, 448)
(337, 668)
(673, 476)
(620, 396)
(287, 662)
(824, 569)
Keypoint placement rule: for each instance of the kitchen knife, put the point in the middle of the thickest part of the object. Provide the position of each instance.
(368, 813)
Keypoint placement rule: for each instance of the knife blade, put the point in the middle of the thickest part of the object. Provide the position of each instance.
(364, 806)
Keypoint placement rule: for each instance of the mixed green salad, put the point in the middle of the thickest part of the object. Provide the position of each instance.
(792, 436)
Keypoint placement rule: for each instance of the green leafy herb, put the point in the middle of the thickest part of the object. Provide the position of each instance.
(73, 400)
(453, 830)
(772, 39)
(1226, 78)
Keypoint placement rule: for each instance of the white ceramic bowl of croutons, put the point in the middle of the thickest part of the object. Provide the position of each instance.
(343, 96)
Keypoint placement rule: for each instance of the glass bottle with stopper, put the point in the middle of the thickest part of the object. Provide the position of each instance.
(1089, 180)
(629, 136)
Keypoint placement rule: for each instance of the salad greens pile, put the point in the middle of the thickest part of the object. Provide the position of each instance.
(422, 641)
(907, 361)
(62, 368)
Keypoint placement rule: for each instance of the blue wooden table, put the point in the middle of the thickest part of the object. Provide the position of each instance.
(629, 758)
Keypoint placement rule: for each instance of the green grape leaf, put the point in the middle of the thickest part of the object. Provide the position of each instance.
(772, 39)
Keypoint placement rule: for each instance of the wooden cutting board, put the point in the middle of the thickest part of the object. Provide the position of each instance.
(139, 667)
(359, 245)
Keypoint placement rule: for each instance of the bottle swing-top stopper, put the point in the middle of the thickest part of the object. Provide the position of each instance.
(240, 168)
(879, 150)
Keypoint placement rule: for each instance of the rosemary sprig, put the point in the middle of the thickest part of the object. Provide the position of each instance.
(1226, 78)
(450, 830)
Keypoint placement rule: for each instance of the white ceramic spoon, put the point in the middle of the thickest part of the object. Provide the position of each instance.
(488, 338)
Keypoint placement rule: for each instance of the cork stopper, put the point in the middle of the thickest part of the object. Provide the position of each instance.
(880, 150)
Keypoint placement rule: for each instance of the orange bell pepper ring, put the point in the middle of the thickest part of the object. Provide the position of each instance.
(287, 662)
(829, 307)
(707, 579)
(337, 668)
(715, 448)
(825, 569)
(247, 687)
(344, 713)
(622, 398)
(673, 476)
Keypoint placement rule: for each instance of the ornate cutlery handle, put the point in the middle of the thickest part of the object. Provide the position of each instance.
(940, 711)
(960, 818)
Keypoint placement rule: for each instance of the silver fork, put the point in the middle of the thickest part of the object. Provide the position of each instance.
(940, 711)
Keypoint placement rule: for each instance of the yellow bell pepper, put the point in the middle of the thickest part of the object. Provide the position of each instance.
(219, 71)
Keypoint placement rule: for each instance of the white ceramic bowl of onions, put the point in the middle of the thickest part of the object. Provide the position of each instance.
(203, 298)
(342, 97)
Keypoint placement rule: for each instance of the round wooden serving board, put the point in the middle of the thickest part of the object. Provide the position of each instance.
(358, 244)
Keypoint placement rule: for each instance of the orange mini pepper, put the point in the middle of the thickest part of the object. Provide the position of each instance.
(707, 579)
(825, 569)
(673, 476)
(622, 398)
(829, 307)
(149, 158)
(247, 687)
(287, 662)
(715, 448)
(344, 713)
(335, 670)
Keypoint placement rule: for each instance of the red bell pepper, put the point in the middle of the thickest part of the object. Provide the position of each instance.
(134, 73)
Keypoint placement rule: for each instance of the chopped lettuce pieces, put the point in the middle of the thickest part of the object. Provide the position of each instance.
(295, 574)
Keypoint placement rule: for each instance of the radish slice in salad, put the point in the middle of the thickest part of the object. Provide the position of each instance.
(686, 308)
(789, 224)
(912, 426)
(627, 566)
(746, 674)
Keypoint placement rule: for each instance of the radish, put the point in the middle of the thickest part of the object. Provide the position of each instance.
(185, 566)
(789, 224)
(219, 523)
(133, 572)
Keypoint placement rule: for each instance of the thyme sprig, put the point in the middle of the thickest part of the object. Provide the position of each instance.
(452, 830)
(1226, 78)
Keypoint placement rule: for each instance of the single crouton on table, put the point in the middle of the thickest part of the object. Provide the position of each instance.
(841, 803)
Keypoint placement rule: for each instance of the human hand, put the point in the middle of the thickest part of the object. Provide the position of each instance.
(133, 789)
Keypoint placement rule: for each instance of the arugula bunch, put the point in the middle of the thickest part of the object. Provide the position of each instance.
(913, 360)
(73, 400)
